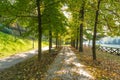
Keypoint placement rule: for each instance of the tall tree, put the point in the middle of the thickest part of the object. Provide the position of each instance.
(81, 26)
(50, 40)
(77, 32)
(39, 31)
(54, 23)
(56, 41)
(95, 31)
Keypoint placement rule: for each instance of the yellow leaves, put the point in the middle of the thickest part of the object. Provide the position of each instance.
(56, 78)
(107, 67)
(30, 69)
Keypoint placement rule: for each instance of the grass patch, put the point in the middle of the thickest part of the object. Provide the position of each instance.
(107, 66)
(30, 69)
(44, 43)
(10, 45)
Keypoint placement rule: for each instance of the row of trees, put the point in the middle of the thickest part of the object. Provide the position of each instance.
(93, 19)
(39, 17)
(88, 20)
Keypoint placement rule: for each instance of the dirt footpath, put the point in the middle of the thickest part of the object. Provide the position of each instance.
(14, 59)
(66, 66)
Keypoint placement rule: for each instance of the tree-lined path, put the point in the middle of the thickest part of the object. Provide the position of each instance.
(66, 66)
(23, 23)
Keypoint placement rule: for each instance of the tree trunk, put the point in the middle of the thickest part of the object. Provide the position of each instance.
(57, 41)
(50, 41)
(81, 27)
(60, 42)
(74, 43)
(39, 31)
(95, 32)
(71, 42)
(20, 32)
(77, 39)
(33, 44)
(89, 43)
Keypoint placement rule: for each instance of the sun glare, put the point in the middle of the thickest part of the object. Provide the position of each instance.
(65, 12)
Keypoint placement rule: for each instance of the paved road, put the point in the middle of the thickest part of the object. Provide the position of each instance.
(66, 66)
(12, 60)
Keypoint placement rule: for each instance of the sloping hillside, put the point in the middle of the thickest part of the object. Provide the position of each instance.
(10, 45)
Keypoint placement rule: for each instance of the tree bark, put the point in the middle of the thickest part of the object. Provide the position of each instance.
(95, 31)
(56, 41)
(50, 41)
(77, 38)
(39, 31)
(74, 43)
(60, 42)
(33, 44)
(81, 27)
(71, 42)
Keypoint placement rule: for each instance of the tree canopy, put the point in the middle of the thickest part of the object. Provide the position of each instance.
(60, 18)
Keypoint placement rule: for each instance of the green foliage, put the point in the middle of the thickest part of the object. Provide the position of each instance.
(10, 45)
(24, 13)
(108, 24)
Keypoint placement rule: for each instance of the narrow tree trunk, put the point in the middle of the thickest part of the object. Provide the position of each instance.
(57, 41)
(60, 42)
(50, 41)
(81, 38)
(33, 44)
(39, 31)
(95, 32)
(73, 42)
(89, 43)
(20, 32)
(77, 38)
(81, 27)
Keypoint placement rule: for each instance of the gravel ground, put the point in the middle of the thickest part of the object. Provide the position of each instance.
(66, 66)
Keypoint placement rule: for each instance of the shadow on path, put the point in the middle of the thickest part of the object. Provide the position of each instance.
(14, 59)
(66, 66)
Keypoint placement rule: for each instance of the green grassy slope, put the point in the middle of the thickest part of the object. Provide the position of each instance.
(10, 45)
